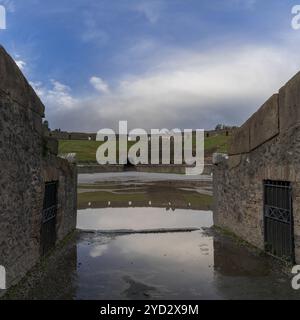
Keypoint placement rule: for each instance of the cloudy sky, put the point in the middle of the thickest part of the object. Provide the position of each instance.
(156, 63)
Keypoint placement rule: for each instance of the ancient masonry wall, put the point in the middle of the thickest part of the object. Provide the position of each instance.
(63, 135)
(266, 147)
(27, 161)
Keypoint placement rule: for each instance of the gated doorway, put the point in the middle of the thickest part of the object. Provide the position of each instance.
(48, 229)
(278, 219)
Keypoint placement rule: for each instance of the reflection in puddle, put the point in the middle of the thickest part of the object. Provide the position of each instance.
(141, 218)
(183, 265)
(195, 265)
(147, 266)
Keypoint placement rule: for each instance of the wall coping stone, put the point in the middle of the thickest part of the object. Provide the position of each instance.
(14, 84)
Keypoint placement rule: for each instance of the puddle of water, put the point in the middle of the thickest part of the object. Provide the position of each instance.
(141, 218)
(146, 266)
(194, 266)
(183, 265)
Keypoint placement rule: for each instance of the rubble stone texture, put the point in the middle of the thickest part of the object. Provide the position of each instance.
(266, 147)
(27, 161)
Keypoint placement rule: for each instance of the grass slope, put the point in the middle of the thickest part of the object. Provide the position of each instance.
(86, 150)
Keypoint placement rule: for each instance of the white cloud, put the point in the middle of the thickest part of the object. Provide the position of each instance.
(99, 84)
(60, 95)
(58, 98)
(188, 89)
(21, 64)
(98, 251)
(38, 87)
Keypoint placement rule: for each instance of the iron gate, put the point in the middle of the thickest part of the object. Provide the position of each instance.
(48, 230)
(278, 219)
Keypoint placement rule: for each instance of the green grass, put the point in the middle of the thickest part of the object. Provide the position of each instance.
(217, 143)
(86, 150)
(201, 200)
(103, 196)
(178, 198)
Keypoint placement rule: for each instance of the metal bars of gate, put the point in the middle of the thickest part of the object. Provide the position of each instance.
(278, 219)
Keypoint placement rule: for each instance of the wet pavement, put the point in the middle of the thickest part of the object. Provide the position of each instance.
(128, 248)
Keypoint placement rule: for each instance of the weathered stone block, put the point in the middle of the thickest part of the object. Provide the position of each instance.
(238, 187)
(38, 123)
(13, 83)
(24, 171)
(289, 103)
(234, 161)
(264, 124)
(240, 140)
(219, 158)
(52, 145)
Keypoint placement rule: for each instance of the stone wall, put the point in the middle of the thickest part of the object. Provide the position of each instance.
(27, 161)
(266, 147)
(222, 132)
(63, 135)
